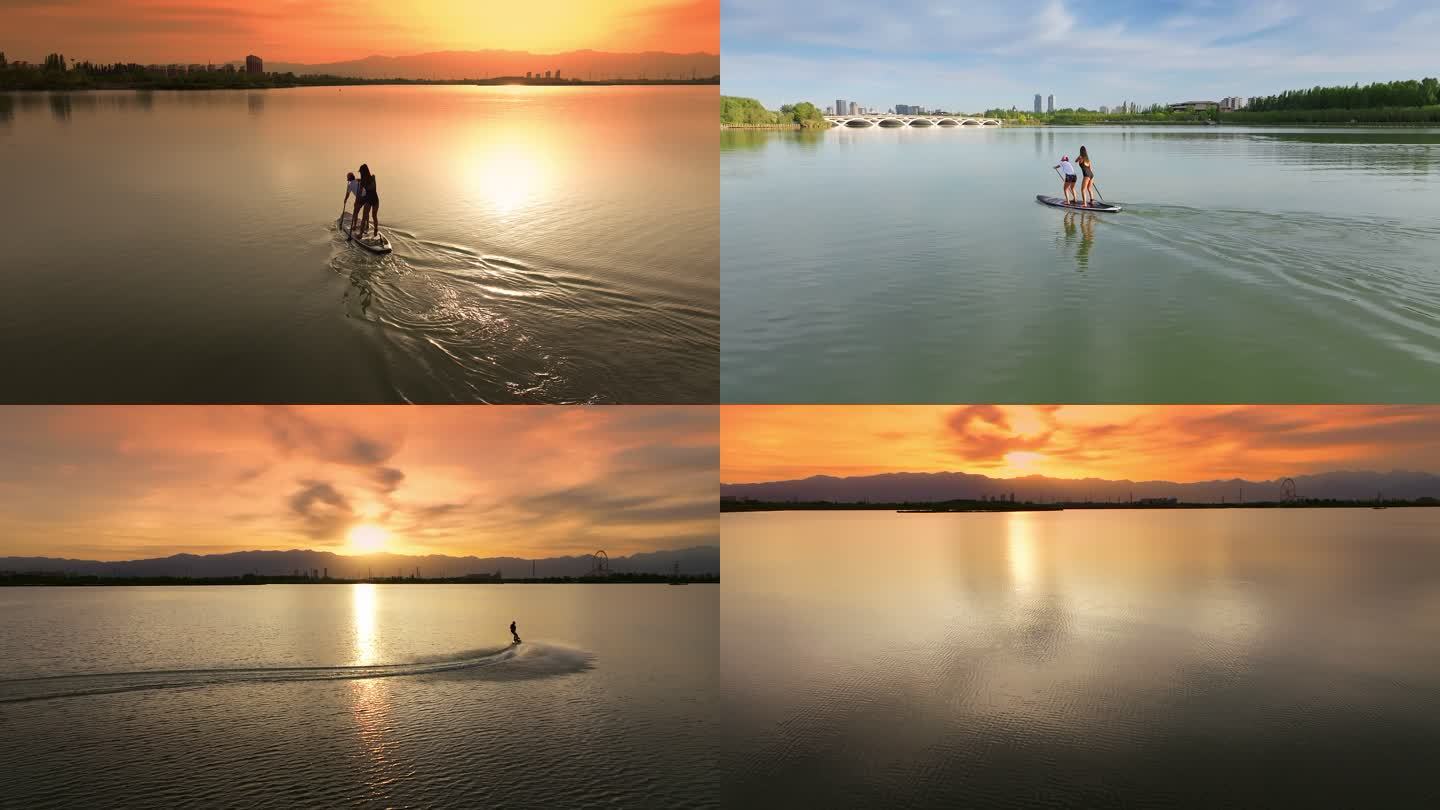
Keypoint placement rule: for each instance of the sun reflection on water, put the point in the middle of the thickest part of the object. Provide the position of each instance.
(1020, 550)
(363, 604)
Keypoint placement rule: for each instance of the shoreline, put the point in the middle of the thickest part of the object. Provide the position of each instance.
(341, 82)
(55, 579)
(921, 508)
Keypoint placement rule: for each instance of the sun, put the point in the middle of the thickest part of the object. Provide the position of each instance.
(368, 537)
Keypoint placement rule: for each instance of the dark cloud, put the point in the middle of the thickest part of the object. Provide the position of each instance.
(981, 433)
(323, 511)
(293, 431)
(389, 479)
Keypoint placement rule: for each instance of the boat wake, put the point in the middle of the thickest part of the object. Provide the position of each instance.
(506, 329)
(522, 662)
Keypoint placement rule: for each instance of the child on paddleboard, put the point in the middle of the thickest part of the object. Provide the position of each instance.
(1067, 172)
(352, 187)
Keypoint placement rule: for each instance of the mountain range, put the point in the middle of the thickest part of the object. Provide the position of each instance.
(489, 63)
(944, 486)
(694, 560)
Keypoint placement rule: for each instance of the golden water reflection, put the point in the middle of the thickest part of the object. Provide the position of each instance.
(363, 605)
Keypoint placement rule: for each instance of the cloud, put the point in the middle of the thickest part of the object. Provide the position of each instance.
(983, 433)
(324, 513)
(1087, 52)
(389, 479)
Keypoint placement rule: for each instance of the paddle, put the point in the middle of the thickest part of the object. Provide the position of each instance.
(342, 218)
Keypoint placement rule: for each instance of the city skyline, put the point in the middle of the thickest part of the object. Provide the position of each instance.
(203, 31)
(1085, 52)
(114, 483)
(1182, 443)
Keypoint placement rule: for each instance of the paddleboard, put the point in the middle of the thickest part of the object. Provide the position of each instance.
(1059, 202)
(373, 244)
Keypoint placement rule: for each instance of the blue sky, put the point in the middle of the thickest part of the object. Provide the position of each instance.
(975, 55)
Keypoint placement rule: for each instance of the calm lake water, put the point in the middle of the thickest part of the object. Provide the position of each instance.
(551, 245)
(914, 265)
(1244, 658)
(359, 695)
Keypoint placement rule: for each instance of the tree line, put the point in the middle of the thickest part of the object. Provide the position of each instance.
(1408, 93)
(736, 111)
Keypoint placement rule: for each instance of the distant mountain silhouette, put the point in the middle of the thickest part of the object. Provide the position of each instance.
(944, 486)
(485, 64)
(695, 560)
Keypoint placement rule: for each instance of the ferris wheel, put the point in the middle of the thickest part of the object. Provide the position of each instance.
(1287, 489)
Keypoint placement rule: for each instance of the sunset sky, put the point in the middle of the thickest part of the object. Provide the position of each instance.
(1176, 443)
(117, 483)
(324, 31)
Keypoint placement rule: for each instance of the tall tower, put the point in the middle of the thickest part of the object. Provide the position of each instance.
(1050, 103)
(1037, 103)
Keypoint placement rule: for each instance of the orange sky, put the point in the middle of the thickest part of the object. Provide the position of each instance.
(1175, 443)
(314, 31)
(116, 483)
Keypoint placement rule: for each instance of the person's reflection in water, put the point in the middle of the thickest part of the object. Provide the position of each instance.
(362, 279)
(1086, 223)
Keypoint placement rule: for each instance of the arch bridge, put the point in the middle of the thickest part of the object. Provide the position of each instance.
(896, 121)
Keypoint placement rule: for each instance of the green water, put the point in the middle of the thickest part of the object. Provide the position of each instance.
(1249, 265)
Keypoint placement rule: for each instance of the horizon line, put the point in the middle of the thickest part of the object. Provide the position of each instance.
(1064, 478)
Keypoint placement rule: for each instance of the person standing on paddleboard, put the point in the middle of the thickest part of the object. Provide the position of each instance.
(352, 188)
(1087, 188)
(369, 204)
(513, 633)
(1067, 173)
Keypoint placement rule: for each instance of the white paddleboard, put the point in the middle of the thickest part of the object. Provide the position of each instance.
(371, 243)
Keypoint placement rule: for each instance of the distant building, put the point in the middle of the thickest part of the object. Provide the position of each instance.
(1158, 501)
(829, 110)
(527, 74)
(1037, 103)
(840, 106)
(1196, 106)
(557, 73)
(547, 74)
(902, 109)
(254, 65)
(229, 68)
(1232, 103)
(854, 108)
(1104, 109)
(1050, 103)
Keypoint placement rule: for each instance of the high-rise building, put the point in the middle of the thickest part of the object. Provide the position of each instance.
(902, 109)
(1050, 103)
(854, 108)
(557, 73)
(527, 74)
(1037, 103)
(253, 65)
(841, 108)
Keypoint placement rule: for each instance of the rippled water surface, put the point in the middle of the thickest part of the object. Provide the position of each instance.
(1244, 658)
(904, 265)
(551, 245)
(359, 695)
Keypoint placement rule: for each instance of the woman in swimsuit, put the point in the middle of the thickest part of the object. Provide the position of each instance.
(1087, 186)
(369, 203)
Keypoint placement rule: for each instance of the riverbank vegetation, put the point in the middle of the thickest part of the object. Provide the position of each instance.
(737, 111)
(58, 75)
